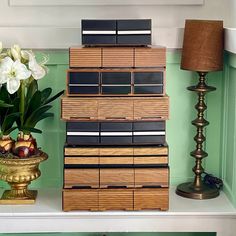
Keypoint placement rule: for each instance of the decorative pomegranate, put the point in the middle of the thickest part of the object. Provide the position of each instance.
(6, 144)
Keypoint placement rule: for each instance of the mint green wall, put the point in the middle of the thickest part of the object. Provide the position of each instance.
(180, 132)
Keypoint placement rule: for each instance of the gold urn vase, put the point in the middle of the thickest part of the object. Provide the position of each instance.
(19, 173)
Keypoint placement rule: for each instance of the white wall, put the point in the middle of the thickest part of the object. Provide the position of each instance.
(58, 26)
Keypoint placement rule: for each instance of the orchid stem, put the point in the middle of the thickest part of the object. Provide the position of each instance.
(22, 102)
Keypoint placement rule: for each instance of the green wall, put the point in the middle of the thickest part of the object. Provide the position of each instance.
(180, 132)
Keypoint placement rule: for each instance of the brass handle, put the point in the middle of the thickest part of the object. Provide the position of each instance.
(150, 117)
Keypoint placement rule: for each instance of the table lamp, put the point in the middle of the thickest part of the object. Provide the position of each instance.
(203, 53)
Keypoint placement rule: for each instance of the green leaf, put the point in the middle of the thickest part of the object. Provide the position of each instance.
(7, 132)
(45, 94)
(34, 104)
(30, 129)
(32, 88)
(31, 121)
(54, 97)
(9, 121)
(5, 105)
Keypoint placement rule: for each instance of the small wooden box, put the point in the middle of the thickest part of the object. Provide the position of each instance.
(117, 177)
(152, 177)
(117, 108)
(78, 199)
(85, 57)
(151, 199)
(116, 199)
(81, 178)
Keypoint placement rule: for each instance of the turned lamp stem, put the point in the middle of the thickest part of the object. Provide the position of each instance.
(198, 189)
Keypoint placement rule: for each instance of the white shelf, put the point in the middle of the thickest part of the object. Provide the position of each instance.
(185, 215)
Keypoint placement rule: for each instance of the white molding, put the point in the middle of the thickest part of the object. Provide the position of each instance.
(65, 37)
(56, 3)
(230, 40)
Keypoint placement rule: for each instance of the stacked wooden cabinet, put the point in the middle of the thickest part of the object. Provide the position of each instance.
(115, 108)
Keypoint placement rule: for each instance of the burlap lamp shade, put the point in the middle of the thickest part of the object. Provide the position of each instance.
(203, 46)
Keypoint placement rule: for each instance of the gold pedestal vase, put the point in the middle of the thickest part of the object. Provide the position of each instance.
(19, 173)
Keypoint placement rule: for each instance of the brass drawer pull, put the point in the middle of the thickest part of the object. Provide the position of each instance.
(117, 118)
(151, 117)
(81, 117)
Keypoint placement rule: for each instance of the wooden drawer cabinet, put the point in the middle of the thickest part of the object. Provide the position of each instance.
(115, 199)
(146, 109)
(74, 199)
(116, 177)
(85, 57)
(81, 178)
(116, 160)
(153, 177)
(149, 199)
(70, 160)
(81, 151)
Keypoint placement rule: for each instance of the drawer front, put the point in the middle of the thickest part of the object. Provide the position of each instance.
(150, 57)
(81, 178)
(116, 177)
(77, 90)
(81, 151)
(134, 39)
(78, 109)
(98, 39)
(150, 160)
(82, 126)
(115, 90)
(82, 140)
(114, 109)
(76, 200)
(118, 78)
(149, 89)
(80, 77)
(155, 177)
(151, 109)
(149, 126)
(113, 151)
(115, 199)
(118, 57)
(70, 160)
(149, 139)
(151, 151)
(149, 77)
(151, 199)
(116, 140)
(98, 25)
(139, 24)
(116, 160)
(116, 126)
(85, 57)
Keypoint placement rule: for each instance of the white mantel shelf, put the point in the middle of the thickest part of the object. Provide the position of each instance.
(185, 215)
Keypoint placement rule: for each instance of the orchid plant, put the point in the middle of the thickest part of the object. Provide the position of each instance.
(21, 101)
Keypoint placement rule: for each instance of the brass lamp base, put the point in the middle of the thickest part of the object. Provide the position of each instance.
(30, 198)
(190, 190)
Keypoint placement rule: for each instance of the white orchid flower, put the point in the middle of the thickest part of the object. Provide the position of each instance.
(16, 52)
(12, 72)
(38, 72)
(25, 54)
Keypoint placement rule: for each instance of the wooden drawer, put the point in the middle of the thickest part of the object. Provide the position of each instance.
(150, 57)
(117, 177)
(85, 57)
(151, 109)
(151, 177)
(74, 200)
(116, 160)
(81, 151)
(115, 109)
(151, 199)
(113, 151)
(70, 160)
(118, 57)
(115, 199)
(150, 160)
(81, 178)
(154, 150)
(78, 109)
